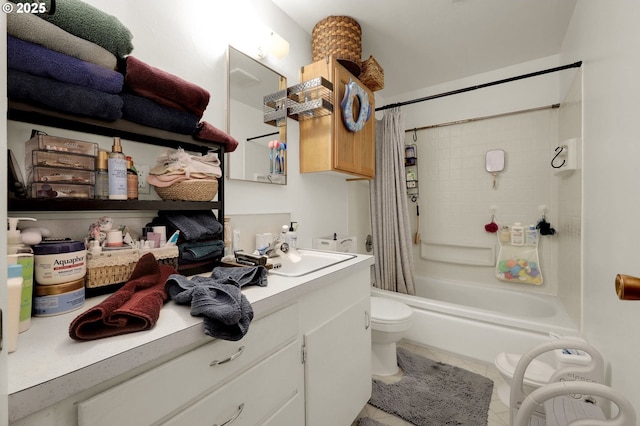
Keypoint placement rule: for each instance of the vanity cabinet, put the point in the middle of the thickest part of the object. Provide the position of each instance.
(326, 144)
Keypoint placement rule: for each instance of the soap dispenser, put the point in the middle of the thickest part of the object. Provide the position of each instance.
(292, 235)
(20, 253)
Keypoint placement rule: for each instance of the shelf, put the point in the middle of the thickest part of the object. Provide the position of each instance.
(42, 204)
(24, 112)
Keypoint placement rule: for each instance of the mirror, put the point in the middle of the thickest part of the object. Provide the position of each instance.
(248, 82)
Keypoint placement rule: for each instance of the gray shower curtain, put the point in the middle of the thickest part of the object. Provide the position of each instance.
(392, 244)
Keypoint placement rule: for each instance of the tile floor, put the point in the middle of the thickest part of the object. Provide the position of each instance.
(498, 412)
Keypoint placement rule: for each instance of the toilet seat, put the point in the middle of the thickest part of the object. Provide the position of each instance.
(538, 373)
(387, 311)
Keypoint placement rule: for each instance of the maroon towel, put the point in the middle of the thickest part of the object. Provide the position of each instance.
(209, 132)
(165, 88)
(134, 307)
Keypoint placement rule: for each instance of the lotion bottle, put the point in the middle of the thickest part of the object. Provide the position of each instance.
(292, 235)
(14, 291)
(531, 236)
(517, 234)
(117, 172)
(21, 254)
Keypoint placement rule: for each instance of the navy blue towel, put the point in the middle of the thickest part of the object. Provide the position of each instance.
(37, 60)
(63, 97)
(145, 111)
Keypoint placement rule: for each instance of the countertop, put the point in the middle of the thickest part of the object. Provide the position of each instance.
(48, 366)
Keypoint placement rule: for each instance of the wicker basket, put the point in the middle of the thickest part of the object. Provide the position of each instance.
(189, 190)
(372, 74)
(340, 36)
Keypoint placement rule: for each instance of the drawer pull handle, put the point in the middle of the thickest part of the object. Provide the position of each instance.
(231, 358)
(235, 416)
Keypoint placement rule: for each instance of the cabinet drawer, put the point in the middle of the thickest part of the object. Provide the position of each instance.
(161, 391)
(254, 397)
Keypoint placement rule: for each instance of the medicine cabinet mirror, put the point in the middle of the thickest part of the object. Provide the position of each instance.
(248, 82)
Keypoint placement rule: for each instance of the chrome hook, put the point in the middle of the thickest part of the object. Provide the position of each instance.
(415, 135)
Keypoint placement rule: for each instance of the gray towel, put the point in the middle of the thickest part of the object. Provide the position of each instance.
(244, 275)
(225, 310)
(193, 225)
(31, 28)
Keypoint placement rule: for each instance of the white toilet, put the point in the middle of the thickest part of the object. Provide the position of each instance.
(537, 375)
(389, 321)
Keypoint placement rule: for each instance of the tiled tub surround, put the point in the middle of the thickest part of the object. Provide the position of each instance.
(48, 367)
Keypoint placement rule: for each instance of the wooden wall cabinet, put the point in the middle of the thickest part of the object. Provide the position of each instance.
(326, 144)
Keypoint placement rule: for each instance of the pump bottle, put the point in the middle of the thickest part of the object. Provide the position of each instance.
(21, 254)
(117, 172)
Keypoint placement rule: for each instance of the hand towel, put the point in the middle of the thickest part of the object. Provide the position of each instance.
(226, 312)
(165, 88)
(193, 252)
(90, 23)
(134, 307)
(145, 111)
(31, 28)
(37, 60)
(208, 132)
(193, 225)
(63, 97)
(243, 275)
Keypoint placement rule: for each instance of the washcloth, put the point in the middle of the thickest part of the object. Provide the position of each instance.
(163, 181)
(63, 97)
(179, 162)
(31, 28)
(208, 132)
(145, 111)
(193, 225)
(90, 23)
(134, 307)
(244, 275)
(37, 60)
(165, 88)
(198, 251)
(225, 310)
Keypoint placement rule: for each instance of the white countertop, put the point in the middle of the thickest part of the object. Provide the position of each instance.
(48, 366)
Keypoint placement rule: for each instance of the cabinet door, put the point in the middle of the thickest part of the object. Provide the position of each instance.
(338, 367)
(354, 152)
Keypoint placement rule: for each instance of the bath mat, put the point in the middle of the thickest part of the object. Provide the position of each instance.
(366, 421)
(434, 394)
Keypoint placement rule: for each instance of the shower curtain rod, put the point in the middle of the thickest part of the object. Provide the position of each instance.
(481, 86)
(484, 117)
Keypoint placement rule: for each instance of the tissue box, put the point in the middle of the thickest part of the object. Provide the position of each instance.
(340, 244)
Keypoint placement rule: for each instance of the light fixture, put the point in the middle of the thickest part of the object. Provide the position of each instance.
(273, 44)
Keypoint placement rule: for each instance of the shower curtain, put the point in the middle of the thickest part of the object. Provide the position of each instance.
(392, 245)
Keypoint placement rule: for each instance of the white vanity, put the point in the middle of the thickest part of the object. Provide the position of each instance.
(305, 361)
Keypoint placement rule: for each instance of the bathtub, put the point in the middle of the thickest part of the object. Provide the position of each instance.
(478, 321)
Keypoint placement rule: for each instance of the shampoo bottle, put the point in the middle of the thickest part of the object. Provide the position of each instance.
(117, 172)
(517, 234)
(21, 254)
(531, 236)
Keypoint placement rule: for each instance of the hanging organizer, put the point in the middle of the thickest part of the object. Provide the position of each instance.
(411, 168)
(519, 263)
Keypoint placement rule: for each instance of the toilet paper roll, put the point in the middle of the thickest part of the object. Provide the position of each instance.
(114, 238)
(627, 287)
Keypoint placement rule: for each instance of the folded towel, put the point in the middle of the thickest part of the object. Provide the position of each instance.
(225, 310)
(193, 225)
(63, 97)
(90, 23)
(165, 88)
(208, 132)
(38, 60)
(134, 307)
(31, 28)
(145, 111)
(198, 251)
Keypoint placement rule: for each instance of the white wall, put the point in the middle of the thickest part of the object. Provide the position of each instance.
(606, 36)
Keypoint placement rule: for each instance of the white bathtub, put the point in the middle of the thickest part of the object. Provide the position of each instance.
(478, 321)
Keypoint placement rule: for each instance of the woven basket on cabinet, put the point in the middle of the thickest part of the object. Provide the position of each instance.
(340, 36)
(372, 74)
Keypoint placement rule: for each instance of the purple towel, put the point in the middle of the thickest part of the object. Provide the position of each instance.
(37, 60)
(145, 111)
(63, 97)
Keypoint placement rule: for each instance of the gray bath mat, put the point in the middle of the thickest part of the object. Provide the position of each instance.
(434, 394)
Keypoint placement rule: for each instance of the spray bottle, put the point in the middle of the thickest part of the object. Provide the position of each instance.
(20, 253)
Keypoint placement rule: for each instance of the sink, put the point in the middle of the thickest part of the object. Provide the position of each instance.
(306, 262)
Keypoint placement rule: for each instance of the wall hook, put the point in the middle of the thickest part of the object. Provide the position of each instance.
(558, 153)
(415, 135)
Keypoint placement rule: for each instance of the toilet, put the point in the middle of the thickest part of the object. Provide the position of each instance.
(389, 321)
(537, 375)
